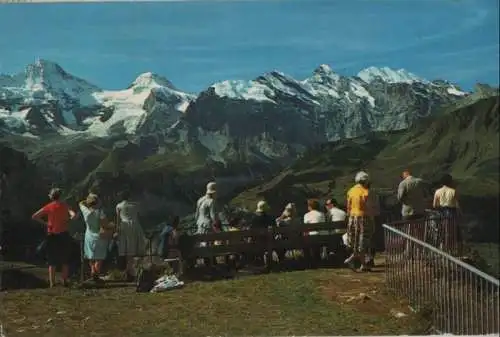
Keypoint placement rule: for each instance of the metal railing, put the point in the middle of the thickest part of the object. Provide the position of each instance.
(455, 296)
(438, 230)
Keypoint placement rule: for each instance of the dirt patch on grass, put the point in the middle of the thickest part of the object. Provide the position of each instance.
(365, 293)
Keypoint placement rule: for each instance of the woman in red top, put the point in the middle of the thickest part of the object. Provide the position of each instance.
(58, 241)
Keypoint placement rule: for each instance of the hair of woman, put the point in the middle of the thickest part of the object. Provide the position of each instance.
(92, 200)
(55, 194)
(447, 180)
(313, 204)
(124, 195)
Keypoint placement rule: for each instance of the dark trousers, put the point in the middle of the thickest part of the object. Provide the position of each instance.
(377, 243)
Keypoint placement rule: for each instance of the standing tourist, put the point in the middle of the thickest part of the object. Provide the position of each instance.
(446, 203)
(206, 216)
(97, 234)
(131, 240)
(359, 226)
(411, 194)
(58, 241)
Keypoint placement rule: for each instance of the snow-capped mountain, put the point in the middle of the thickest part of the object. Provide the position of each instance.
(388, 75)
(276, 116)
(45, 99)
(272, 116)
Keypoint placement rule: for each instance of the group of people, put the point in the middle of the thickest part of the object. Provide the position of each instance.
(361, 217)
(362, 210)
(100, 231)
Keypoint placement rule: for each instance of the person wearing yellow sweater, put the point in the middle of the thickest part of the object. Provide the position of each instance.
(360, 223)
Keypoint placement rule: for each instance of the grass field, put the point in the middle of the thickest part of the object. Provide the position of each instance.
(314, 302)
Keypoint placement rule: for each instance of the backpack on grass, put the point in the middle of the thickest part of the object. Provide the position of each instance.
(145, 279)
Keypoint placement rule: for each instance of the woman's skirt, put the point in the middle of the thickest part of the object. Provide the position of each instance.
(58, 248)
(359, 233)
(451, 232)
(131, 240)
(95, 247)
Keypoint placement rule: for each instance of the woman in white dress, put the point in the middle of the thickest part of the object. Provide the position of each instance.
(131, 240)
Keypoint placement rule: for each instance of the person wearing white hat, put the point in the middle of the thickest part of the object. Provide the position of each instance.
(288, 216)
(360, 223)
(262, 219)
(206, 215)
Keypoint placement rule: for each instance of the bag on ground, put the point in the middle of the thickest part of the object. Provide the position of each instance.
(145, 280)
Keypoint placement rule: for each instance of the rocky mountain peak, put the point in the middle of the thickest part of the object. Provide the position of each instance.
(50, 76)
(389, 75)
(151, 80)
(44, 68)
(324, 70)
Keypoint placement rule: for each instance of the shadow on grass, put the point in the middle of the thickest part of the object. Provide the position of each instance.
(15, 279)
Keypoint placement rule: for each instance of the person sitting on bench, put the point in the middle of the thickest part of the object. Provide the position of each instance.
(168, 236)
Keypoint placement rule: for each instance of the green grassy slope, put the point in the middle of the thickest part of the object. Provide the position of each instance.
(313, 302)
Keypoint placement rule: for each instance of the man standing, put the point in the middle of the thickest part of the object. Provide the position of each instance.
(411, 194)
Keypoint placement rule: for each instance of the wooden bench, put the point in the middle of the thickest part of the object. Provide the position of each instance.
(260, 241)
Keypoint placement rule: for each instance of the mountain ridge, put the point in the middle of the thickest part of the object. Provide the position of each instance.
(47, 82)
(151, 132)
(463, 142)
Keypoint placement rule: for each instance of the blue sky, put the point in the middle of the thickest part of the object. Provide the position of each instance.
(197, 43)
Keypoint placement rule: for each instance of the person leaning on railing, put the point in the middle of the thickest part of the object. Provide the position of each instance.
(411, 194)
(446, 202)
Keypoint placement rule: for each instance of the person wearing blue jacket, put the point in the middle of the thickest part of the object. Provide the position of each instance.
(169, 231)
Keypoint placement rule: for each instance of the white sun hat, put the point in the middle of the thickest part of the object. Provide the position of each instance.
(211, 188)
